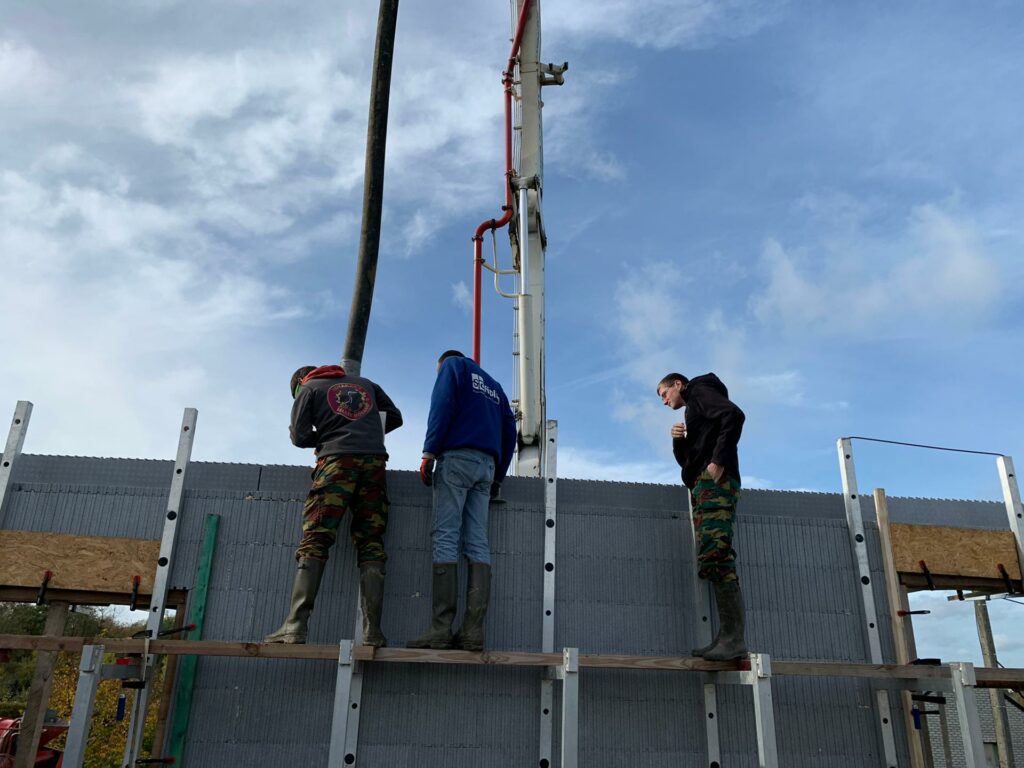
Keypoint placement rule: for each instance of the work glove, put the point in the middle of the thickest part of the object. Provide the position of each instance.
(427, 471)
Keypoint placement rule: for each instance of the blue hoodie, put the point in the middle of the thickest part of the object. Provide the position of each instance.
(469, 409)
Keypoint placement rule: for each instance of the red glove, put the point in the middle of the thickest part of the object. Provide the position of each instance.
(427, 471)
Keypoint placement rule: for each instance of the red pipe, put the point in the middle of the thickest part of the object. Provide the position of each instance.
(492, 224)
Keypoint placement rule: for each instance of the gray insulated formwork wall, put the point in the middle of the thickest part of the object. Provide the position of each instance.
(625, 585)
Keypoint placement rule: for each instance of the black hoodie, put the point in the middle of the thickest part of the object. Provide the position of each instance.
(713, 427)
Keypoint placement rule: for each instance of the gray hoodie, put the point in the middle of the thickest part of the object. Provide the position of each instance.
(341, 415)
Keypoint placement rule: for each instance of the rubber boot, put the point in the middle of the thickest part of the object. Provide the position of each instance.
(478, 594)
(444, 595)
(371, 597)
(307, 583)
(705, 648)
(730, 643)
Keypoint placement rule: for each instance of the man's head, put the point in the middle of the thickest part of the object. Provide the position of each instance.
(298, 376)
(670, 390)
(446, 355)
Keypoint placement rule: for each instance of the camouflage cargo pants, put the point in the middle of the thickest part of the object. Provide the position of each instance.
(714, 513)
(354, 483)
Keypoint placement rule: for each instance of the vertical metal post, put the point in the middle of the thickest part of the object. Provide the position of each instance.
(703, 634)
(570, 708)
(947, 747)
(532, 398)
(186, 438)
(340, 754)
(1004, 743)
(547, 643)
(15, 442)
(962, 674)
(855, 525)
(1011, 496)
(85, 699)
(764, 712)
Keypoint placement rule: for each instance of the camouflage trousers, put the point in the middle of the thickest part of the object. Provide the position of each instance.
(714, 513)
(355, 483)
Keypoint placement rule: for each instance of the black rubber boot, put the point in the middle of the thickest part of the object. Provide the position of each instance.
(371, 597)
(307, 583)
(445, 596)
(705, 648)
(730, 643)
(478, 595)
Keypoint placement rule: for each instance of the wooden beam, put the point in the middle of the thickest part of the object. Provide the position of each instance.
(917, 582)
(898, 602)
(39, 690)
(175, 598)
(966, 552)
(91, 563)
(1001, 678)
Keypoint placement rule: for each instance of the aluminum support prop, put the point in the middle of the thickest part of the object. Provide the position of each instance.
(764, 712)
(547, 643)
(355, 694)
(1011, 496)
(759, 679)
(89, 673)
(15, 442)
(702, 635)
(570, 670)
(964, 682)
(343, 743)
(164, 564)
(855, 525)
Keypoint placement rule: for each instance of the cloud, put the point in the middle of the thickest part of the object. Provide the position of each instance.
(936, 270)
(660, 24)
(591, 464)
(461, 296)
(22, 69)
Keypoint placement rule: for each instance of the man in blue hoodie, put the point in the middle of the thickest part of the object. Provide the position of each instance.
(471, 435)
(704, 445)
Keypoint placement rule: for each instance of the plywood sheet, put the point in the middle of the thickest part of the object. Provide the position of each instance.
(97, 563)
(970, 552)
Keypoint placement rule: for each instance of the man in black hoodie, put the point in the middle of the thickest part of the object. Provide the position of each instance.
(704, 445)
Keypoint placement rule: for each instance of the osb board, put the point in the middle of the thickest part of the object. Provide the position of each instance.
(94, 563)
(954, 551)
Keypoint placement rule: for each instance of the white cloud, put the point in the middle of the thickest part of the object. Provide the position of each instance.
(22, 69)
(461, 296)
(937, 270)
(591, 464)
(660, 24)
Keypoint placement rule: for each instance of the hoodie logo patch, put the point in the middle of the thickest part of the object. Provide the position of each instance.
(481, 388)
(349, 400)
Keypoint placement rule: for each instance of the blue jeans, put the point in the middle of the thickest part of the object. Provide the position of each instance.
(462, 491)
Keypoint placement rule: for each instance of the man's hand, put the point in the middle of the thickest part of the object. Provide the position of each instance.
(495, 491)
(715, 471)
(678, 430)
(427, 471)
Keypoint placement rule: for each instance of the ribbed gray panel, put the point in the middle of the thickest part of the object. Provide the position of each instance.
(625, 585)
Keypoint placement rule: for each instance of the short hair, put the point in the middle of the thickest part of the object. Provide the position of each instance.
(449, 353)
(671, 379)
(298, 376)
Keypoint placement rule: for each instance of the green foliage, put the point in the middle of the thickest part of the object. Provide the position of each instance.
(107, 736)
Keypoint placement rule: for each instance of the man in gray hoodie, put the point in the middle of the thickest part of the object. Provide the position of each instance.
(705, 446)
(340, 416)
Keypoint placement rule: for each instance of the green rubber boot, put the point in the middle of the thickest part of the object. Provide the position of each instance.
(444, 595)
(371, 598)
(478, 594)
(307, 583)
(730, 644)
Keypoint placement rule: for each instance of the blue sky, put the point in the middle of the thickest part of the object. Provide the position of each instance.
(818, 201)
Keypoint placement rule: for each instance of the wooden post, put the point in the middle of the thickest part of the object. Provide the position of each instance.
(39, 692)
(167, 691)
(995, 695)
(902, 630)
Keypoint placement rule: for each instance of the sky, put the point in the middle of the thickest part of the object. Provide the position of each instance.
(820, 202)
